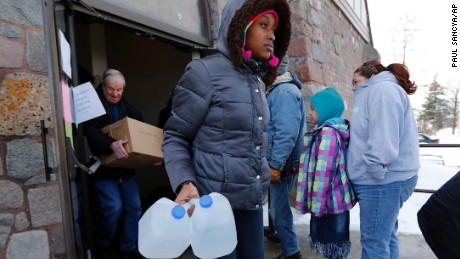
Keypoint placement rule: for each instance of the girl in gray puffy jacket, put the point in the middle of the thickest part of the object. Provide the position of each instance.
(214, 140)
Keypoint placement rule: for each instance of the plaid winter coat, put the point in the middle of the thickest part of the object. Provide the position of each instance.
(323, 186)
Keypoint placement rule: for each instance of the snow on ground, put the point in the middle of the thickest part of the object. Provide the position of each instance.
(432, 175)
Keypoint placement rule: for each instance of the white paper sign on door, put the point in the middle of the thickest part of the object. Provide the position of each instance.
(87, 104)
(64, 48)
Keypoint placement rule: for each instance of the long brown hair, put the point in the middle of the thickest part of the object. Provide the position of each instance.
(400, 71)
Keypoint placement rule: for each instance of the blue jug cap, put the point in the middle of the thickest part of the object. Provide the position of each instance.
(178, 212)
(205, 201)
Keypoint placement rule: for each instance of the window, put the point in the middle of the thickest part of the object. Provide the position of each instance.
(187, 19)
(356, 12)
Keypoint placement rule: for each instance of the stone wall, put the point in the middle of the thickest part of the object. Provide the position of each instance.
(30, 207)
(325, 48)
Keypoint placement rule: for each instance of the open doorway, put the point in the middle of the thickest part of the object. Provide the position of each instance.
(151, 67)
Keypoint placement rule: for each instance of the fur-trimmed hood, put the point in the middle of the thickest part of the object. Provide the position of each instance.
(237, 14)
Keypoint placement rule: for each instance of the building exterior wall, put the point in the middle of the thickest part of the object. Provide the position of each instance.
(30, 211)
(325, 50)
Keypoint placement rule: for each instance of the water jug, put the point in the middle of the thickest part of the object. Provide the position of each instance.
(213, 226)
(164, 230)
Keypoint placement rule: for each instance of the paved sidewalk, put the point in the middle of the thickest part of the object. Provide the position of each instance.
(410, 246)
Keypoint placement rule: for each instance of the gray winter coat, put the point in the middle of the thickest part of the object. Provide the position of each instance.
(216, 134)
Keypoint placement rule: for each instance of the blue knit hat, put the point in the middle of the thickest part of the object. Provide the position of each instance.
(328, 104)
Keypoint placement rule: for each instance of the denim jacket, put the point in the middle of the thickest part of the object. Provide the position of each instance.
(287, 122)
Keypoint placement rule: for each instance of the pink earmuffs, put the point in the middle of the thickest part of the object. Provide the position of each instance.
(273, 60)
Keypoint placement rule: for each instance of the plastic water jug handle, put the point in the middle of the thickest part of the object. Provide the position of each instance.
(194, 201)
(204, 201)
(187, 205)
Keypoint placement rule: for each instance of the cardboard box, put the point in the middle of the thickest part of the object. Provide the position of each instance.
(143, 147)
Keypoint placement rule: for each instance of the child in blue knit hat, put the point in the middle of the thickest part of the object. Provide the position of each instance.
(323, 187)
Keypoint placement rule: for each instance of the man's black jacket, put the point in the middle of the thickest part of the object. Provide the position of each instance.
(99, 143)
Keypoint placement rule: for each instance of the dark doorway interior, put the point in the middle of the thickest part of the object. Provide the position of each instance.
(151, 67)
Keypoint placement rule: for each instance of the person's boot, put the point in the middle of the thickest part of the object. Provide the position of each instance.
(273, 237)
(101, 252)
(294, 256)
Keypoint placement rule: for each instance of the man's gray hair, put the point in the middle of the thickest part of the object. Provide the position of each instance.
(112, 72)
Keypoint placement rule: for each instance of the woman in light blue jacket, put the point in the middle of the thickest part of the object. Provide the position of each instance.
(383, 155)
